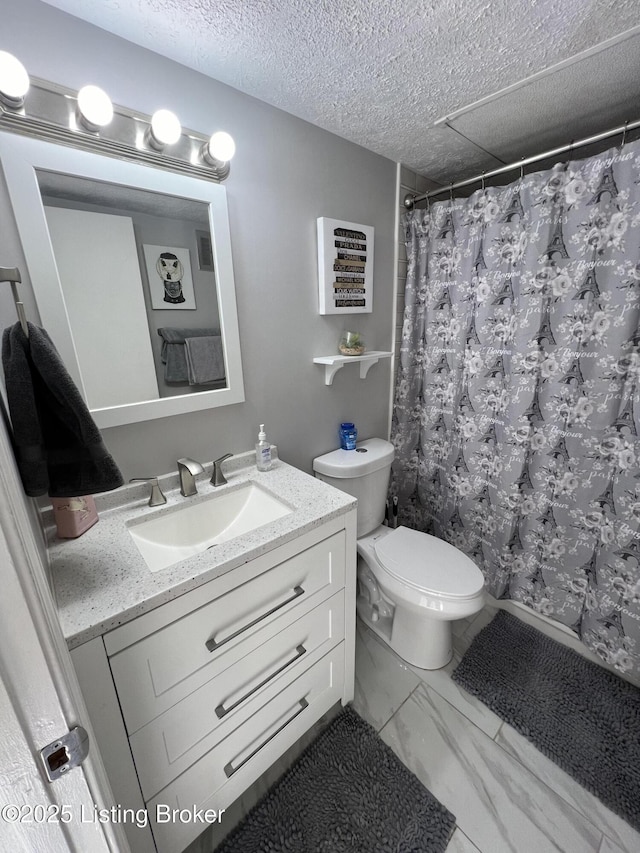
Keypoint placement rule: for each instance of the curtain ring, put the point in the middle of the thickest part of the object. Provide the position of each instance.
(522, 169)
(624, 134)
(451, 192)
(482, 182)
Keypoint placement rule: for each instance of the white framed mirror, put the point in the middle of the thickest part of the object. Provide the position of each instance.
(128, 264)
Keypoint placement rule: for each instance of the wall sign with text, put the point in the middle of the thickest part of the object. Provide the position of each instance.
(345, 267)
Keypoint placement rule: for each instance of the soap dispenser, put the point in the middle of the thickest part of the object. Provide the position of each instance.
(263, 451)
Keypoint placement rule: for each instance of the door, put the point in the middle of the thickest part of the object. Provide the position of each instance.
(40, 701)
(99, 272)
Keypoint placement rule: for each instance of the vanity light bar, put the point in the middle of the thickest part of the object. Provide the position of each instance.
(94, 108)
(54, 113)
(164, 130)
(14, 81)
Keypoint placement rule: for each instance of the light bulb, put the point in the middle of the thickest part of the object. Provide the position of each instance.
(221, 146)
(165, 128)
(14, 80)
(95, 107)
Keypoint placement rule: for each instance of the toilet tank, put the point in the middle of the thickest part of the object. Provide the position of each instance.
(363, 473)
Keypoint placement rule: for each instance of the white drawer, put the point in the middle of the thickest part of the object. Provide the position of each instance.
(170, 744)
(161, 669)
(221, 775)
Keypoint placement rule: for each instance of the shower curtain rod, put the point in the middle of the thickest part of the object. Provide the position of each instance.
(410, 200)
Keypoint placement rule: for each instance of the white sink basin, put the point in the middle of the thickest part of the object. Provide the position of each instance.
(174, 535)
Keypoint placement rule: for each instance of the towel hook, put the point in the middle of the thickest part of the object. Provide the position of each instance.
(12, 275)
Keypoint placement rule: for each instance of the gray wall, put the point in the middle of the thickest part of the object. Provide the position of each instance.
(285, 174)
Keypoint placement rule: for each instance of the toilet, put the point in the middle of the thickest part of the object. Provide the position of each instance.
(411, 586)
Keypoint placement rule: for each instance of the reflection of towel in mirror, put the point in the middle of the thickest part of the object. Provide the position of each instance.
(205, 361)
(173, 353)
(57, 444)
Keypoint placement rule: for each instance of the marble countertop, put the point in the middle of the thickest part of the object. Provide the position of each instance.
(100, 579)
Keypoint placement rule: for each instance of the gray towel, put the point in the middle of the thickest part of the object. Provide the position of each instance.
(205, 361)
(173, 353)
(57, 444)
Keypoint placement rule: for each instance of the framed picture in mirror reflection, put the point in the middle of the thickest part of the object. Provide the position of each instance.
(169, 276)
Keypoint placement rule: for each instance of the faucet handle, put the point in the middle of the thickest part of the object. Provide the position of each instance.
(157, 498)
(217, 477)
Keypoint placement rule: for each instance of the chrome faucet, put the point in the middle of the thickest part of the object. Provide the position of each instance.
(217, 477)
(187, 470)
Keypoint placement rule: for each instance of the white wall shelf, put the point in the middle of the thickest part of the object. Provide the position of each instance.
(333, 363)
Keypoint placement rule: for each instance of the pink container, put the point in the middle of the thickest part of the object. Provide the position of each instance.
(74, 516)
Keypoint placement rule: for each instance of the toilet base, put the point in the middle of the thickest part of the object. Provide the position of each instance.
(427, 645)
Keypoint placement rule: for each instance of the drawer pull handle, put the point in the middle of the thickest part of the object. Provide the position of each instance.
(211, 644)
(221, 711)
(230, 769)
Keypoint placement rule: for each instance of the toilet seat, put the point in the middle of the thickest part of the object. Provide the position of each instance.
(428, 564)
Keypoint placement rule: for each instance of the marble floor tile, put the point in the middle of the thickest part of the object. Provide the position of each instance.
(482, 618)
(383, 680)
(474, 710)
(499, 805)
(615, 828)
(383, 683)
(461, 642)
(459, 626)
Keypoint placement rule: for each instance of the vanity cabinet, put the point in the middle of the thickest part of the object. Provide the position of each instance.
(194, 700)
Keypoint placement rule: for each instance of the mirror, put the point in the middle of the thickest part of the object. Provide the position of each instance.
(132, 273)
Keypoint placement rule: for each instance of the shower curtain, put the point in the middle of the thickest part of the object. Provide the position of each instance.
(516, 408)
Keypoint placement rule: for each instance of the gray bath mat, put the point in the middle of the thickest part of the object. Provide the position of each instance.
(347, 793)
(578, 714)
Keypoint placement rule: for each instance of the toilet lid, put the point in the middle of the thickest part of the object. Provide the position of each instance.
(430, 564)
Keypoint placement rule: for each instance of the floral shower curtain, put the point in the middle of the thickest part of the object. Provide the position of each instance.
(516, 409)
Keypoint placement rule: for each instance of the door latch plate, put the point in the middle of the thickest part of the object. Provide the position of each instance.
(65, 753)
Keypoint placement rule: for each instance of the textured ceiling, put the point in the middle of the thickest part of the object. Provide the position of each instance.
(381, 72)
